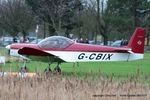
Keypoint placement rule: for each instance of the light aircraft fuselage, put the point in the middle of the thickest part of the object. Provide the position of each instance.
(58, 48)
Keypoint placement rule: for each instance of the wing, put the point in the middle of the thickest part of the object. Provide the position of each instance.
(38, 55)
(33, 52)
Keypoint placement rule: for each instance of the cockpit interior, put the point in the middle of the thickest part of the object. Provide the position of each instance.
(56, 42)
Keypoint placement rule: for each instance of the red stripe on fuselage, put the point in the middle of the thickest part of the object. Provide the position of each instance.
(78, 47)
(90, 48)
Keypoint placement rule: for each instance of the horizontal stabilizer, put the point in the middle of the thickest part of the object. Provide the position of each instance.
(123, 50)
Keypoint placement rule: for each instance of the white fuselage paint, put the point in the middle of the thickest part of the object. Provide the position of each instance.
(72, 56)
(14, 52)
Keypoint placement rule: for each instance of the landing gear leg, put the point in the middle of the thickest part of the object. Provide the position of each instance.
(78, 64)
(74, 70)
(57, 69)
(48, 69)
(24, 68)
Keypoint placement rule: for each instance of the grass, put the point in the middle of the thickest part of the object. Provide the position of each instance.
(112, 81)
(53, 88)
(117, 69)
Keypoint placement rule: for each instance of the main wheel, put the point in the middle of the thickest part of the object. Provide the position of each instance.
(57, 70)
(48, 71)
(24, 69)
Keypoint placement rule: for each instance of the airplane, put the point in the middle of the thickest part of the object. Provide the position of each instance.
(61, 49)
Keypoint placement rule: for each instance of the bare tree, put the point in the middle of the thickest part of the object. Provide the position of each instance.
(57, 13)
(87, 18)
(15, 17)
(52, 11)
(95, 20)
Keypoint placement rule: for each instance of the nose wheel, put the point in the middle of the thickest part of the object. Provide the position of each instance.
(56, 70)
(24, 69)
(48, 69)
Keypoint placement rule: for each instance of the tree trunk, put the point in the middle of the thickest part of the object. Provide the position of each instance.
(95, 35)
(105, 40)
(44, 31)
(95, 39)
(67, 33)
(54, 26)
(24, 35)
(59, 26)
(102, 3)
(134, 14)
(98, 20)
(100, 25)
(51, 30)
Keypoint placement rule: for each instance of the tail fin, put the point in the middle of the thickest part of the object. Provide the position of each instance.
(137, 40)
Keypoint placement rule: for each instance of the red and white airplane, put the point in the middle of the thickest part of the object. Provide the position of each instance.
(61, 49)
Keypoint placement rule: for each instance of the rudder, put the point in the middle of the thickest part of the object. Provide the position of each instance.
(137, 41)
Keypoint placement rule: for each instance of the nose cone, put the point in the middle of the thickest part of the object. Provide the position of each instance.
(8, 47)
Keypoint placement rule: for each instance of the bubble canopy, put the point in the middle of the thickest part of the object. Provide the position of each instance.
(56, 42)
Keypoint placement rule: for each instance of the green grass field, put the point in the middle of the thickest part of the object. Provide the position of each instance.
(124, 80)
(117, 69)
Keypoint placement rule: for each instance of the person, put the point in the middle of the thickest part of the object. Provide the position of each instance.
(26, 40)
(124, 43)
(87, 41)
(81, 40)
(56, 44)
(15, 39)
(76, 40)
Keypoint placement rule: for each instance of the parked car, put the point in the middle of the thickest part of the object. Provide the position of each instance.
(1, 42)
(109, 43)
(117, 43)
(34, 41)
(4, 41)
(31, 38)
(93, 42)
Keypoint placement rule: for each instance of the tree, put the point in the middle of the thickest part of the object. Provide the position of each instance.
(97, 9)
(89, 21)
(145, 19)
(15, 17)
(97, 19)
(68, 22)
(101, 22)
(118, 19)
(124, 17)
(57, 13)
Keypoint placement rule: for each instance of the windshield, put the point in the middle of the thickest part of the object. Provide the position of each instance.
(56, 42)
